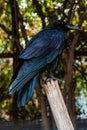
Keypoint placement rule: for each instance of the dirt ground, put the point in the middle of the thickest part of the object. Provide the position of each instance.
(36, 125)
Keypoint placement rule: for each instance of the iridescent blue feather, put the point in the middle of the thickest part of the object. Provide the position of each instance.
(26, 92)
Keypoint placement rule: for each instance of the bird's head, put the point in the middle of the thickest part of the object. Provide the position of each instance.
(63, 25)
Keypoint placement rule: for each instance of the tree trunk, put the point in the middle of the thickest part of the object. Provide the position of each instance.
(15, 109)
(69, 60)
(69, 89)
(45, 122)
(71, 104)
(16, 48)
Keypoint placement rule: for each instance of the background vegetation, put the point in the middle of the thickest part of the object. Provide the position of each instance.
(19, 21)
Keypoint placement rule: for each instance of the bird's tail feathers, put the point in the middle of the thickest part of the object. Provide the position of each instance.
(26, 92)
(26, 73)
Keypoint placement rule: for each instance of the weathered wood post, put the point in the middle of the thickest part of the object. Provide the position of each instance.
(57, 105)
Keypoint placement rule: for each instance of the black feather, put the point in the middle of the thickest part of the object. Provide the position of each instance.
(43, 51)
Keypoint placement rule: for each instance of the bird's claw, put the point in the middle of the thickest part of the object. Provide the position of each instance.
(49, 79)
(52, 78)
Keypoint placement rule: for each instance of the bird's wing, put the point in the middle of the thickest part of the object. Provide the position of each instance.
(39, 58)
(26, 73)
(43, 44)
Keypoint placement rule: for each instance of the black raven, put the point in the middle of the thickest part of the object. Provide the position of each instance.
(43, 51)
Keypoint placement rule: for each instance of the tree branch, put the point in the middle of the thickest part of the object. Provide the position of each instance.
(5, 29)
(83, 34)
(6, 55)
(70, 57)
(75, 39)
(71, 12)
(39, 11)
(23, 28)
(81, 53)
(64, 7)
(84, 17)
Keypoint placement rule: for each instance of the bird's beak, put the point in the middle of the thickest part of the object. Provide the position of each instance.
(72, 27)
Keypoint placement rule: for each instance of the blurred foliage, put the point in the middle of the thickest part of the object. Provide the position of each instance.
(51, 9)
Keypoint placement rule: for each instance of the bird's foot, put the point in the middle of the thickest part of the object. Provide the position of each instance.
(48, 79)
(54, 78)
(51, 78)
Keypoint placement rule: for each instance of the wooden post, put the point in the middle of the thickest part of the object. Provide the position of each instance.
(57, 105)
